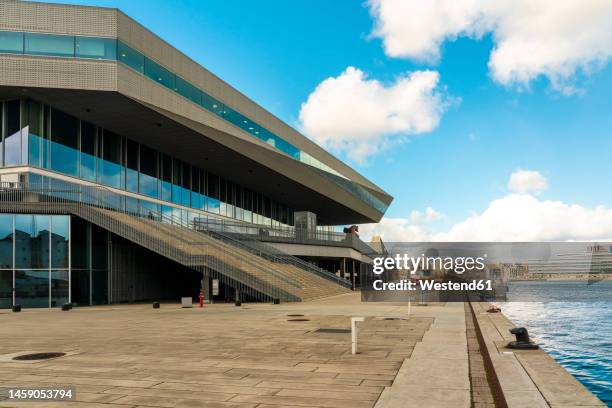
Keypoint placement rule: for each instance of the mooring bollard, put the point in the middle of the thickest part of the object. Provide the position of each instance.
(16, 308)
(354, 321)
(155, 305)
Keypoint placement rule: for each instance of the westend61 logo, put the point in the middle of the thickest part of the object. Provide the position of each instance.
(413, 264)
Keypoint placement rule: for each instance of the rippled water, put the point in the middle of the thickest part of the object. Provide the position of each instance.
(572, 321)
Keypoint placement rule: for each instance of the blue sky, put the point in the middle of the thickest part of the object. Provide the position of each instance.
(278, 55)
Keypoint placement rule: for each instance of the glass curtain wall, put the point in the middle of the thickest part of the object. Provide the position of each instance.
(113, 49)
(34, 259)
(45, 137)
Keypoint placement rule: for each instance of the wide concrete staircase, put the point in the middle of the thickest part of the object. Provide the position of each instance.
(201, 248)
(251, 269)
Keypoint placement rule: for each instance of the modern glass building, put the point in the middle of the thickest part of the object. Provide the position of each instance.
(108, 130)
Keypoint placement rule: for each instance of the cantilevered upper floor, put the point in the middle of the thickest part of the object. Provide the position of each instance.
(100, 66)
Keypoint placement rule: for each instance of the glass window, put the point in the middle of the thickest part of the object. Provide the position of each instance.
(6, 288)
(195, 187)
(11, 42)
(6, 242)
(60, 240)
(131, 175)
(111, 159)
(88, 151)
(12, 138)
(49, 44)
(159, 74)
(186, 185)
(98, 48)
(211, 104)
(31, 241)
(64, 143)
(166, 176)
(148, 172)
(176, 181)
(59, 287)
(130, 57)
(32, 288)
(189, 91)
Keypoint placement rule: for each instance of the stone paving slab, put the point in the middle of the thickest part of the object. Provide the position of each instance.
(219, 356)
(437, 373)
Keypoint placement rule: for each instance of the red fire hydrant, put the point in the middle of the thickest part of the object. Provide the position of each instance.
(201, 299)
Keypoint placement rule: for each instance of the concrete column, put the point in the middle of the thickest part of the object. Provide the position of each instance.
(206, 288)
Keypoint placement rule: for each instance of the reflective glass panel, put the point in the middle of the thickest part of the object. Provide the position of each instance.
(159, 74)
(189, 91)
(88, 151)
(12, 140)
(148, 184)
(131, 176)
(6, 241)
(32, 288)
(211, 104)
(49, 44)
(80, 286)
(64, 143)
(130, 57)
(111, 159)
(98, 48)
(6, 288)
(11, 42)
(31, 241)
(59, 287)
(60, 241)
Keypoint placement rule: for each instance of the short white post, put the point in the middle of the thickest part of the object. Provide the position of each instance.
(354, 321)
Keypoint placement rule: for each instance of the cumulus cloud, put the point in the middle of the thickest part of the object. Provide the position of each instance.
(419, 217)
(354, 114)
(395, 229)
(515, 217)
(527, 181)
(552, 38)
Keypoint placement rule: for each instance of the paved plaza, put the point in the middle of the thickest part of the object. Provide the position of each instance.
(227, 356)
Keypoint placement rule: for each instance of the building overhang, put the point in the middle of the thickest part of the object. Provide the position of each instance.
(250, 163)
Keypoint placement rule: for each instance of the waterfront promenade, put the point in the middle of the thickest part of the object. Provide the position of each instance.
(273, 356)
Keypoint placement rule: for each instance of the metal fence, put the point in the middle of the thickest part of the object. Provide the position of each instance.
(290, 235)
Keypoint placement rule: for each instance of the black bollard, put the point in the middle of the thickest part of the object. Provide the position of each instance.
(155, 305)
(66, 307)
(523, 342)
(17, 308)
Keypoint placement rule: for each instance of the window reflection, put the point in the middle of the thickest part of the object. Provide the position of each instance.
(88, 151)
(60, 226)
(32, 288)
(110, 163)
(64, 143)
(11, 43)
(59, 287)
(31, 241)
(98, 48)
(79, 148)
(49, 44)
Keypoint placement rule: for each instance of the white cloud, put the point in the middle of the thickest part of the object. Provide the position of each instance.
(395, 229)
(513, 218)
(418, 217)
(552, 38)
(527, 181)
(354, 114)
